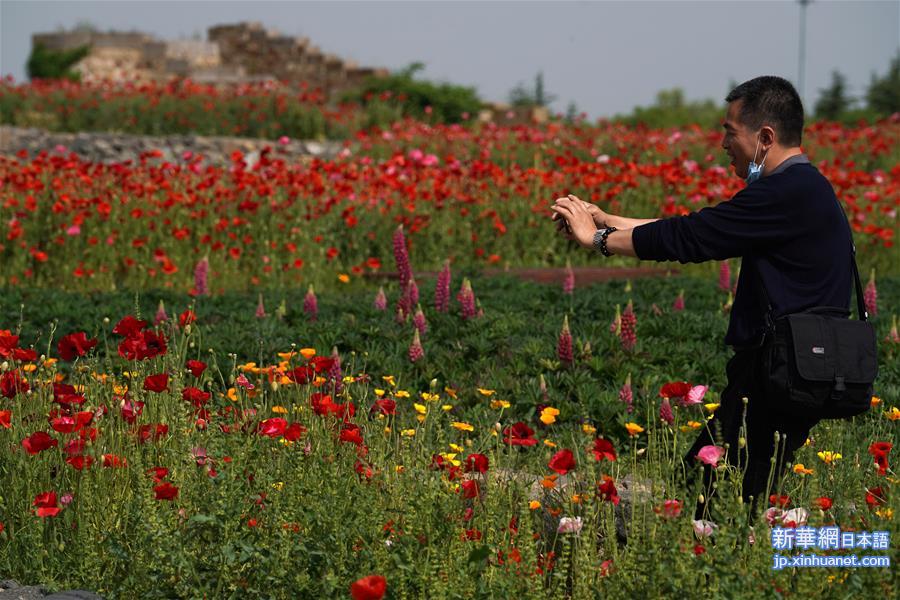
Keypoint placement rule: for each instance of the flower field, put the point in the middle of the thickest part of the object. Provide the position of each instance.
(207, 389)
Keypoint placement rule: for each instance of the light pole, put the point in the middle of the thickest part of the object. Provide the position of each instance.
(802, 54)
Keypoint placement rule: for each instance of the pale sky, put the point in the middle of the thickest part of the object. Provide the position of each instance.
(606, 57)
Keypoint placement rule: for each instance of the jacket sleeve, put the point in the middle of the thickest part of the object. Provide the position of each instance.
(755, 217)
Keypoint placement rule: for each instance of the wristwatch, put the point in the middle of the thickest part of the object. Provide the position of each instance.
(600, 240)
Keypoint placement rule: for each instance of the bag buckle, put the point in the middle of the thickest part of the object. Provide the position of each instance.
(839, 387)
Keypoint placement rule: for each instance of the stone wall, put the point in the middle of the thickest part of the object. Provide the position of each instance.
(111, 148)
(235, 53)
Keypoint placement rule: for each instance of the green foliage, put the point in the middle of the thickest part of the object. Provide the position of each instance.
(833, 101)
(54, 64)
(414, 98)
(672, 110)
(261, 517)
(522, 96)
(883, 96)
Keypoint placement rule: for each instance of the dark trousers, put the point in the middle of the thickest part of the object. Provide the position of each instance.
(760, 423)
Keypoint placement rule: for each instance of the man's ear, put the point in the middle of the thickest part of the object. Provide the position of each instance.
(767, 136)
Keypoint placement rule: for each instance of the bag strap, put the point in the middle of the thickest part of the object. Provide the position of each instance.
(860, 305)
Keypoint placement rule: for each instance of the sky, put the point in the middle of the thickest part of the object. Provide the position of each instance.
(606, 57)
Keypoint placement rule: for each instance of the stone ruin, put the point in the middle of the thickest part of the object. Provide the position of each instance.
(233, 54)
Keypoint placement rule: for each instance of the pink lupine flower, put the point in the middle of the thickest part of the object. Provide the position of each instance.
(711, 455)
(569, 279)
(401, 256)
(311, 304)
(335, 373)
(400, 316)
(679, 301)
(260, 309)
(564, 344)
(442, 290)
(201, 277)
(416, 351)
(628, 328)
(466, 299)
(419, 320)
(893, 336)
(616, 326)
(412, 294)
(665, 412)
(160, 314)
(380, 300)
(870, 296)
(626, 395)
(725, 276)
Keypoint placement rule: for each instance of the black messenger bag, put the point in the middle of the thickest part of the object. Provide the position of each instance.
(819, 362)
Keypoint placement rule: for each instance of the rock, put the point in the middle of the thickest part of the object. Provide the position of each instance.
(74, 595)
(10, 590)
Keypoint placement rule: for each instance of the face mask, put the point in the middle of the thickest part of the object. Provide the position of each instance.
(754, 171)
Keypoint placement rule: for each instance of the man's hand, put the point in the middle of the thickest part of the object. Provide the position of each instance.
(601, 218)
(580, 224)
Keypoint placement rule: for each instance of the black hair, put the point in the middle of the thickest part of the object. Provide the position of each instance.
(773, 101)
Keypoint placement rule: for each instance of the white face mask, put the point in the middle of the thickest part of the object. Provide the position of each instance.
(754, 171)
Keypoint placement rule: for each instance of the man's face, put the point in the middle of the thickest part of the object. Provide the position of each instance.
(739, 142)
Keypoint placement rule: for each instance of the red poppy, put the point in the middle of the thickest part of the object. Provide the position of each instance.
(294, 432)
(195, 396)
(129, 326)
(471, 535)
(11, 383)
(156, 383)
(8, 343)
(131, 410)
(519, 434)
(196, 367)
(476, 462)
(879, 451)
(158, 473)
(823, 502)
(25, 354)
(186, 318)
(384, 406)
(607, 490)
(112, 461)
(74, 345)
(165, 491)
(669, 508)
(562, 462)
(372, 587)
(65, 394)
(779, 501)
(143, 345)
(5, 419)
(351, 433)
(273, 428)
(38, 442)
(675, 389)
(46, 505)
(152, 432)
(74, 447)
(80, 462)
(301, 375)
(470, 489)
(875, 497)
(321, 363)
(71, 424)
(603, 448)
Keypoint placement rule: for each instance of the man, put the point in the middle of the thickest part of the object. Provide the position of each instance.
(792, 237)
